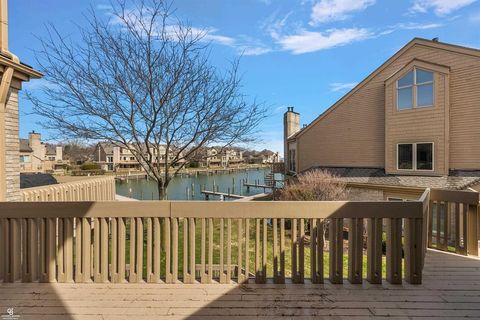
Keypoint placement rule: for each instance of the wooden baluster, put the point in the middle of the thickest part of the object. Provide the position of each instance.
(192, 249)
(8, 248)
(276, 260)
(374, 250)
(223, 278)
(86, 249)
(247, 251)
(294, 250)
(472, 233)
(157, 236)
(413, 251)
(319, 253)
(394, 250)
(186, 278)
(438, 220)
(133, 272)
(210, 250)
(301, 252)
(457, 228)
(281, 278)
(446, 214)
(335, 236)
(31, 257)
(149, 249)
(175, 250)
(240, 274)
(313, 250)
(203, 274)
(48, 250)
(464, 226)
(430, 224)
(68, 248)
(15, 247)
(168, 251)
(3, 249)
(229, 250)
(24, 251)
(78, 250)
(257, 252)
(264, 252)
(355, 251)
(60, 261)
(139, 250)
(114, 252)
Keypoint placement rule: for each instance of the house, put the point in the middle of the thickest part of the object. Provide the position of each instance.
(261, 157)
(411, 124)
(36, 156)
(112, 157)
(216, 156)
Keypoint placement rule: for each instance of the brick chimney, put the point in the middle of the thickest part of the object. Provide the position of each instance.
(291, 125)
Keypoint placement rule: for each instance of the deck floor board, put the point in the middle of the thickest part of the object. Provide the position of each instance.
(450, 289)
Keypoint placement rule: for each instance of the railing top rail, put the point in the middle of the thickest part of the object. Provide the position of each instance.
(71, 183)
(468, 197)
(212, 209)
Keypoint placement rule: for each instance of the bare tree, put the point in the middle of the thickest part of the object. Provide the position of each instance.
(142, 80)
(314, 185)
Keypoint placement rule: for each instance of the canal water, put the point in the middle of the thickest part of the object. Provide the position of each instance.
(180, 188)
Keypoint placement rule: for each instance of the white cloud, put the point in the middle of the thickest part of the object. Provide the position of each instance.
(410, 26)
(308, 41)
(335, 10)
(254, 51)
(339, 86)
(439, 7)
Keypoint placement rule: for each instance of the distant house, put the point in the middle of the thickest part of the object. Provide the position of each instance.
(36, 156)
(112, 157)
(215, 156)
(261, 157)
(412, 123)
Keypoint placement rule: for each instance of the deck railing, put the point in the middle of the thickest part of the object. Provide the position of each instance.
(166, 241)
(95, 189)
(453, 221)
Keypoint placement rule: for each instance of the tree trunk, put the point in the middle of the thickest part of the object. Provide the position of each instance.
(162, 190)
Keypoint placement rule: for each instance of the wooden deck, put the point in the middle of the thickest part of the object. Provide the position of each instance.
(451, 289)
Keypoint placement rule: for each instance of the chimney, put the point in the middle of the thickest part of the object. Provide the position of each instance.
(291, 125)
(59, 153)
(3, 26)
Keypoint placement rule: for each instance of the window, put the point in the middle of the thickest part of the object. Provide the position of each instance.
(415, 90)
(291, 160)
(24, 158)
(415, 156)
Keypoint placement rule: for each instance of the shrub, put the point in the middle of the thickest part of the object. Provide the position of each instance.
(89, 166)
(315, 185)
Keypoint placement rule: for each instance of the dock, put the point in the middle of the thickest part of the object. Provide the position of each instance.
(208, 193)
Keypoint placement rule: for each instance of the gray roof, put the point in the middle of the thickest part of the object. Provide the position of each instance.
(457, 179)
(25, 146)
(30, 180)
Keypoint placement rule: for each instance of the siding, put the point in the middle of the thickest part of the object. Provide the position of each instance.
(12, 147)
(353, 133)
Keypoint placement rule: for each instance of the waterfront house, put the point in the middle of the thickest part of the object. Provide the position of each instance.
(36, 156)
(222, 157)
(261, 157)
(411, 124)
(112, 157)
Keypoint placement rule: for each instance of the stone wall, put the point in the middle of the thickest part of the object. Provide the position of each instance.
(12, 159)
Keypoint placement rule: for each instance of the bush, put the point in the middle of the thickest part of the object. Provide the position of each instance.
(315, 185)
(194, 164)
(89, 166)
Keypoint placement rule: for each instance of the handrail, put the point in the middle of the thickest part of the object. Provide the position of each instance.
(213, 209)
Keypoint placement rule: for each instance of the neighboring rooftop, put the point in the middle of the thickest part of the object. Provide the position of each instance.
(30, 180)
(456, 180)
(25, 146)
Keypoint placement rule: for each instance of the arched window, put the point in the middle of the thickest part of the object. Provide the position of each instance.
(415, 90)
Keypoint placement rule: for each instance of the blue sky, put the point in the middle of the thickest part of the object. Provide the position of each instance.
(301, 53)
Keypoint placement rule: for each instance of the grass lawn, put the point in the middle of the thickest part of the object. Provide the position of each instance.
(234, 249)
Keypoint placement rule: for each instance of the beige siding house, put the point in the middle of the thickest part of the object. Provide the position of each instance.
(413, 122)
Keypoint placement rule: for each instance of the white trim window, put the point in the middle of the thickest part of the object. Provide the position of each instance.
(415, 156)
(415, 90)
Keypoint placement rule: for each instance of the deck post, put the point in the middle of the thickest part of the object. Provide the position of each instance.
(472, 232)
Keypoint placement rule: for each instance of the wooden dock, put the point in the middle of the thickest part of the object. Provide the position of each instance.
(208, 193)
